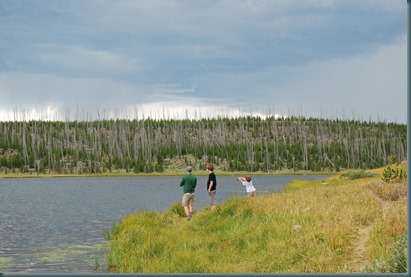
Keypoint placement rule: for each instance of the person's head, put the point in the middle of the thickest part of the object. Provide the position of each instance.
(248, 178)
(189, 169)
(210, 167)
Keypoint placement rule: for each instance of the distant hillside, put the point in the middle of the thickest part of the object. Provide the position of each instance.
(234, 144)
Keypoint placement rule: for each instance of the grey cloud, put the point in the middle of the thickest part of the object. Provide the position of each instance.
(257, 53)
(80, 61)
(270, 32)
(31, 90)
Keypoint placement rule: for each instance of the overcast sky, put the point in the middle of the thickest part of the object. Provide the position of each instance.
(317, 58)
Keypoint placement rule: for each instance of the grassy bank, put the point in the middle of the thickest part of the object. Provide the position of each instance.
(337, 224)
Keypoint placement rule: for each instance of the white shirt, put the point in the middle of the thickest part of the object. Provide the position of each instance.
(249, 186)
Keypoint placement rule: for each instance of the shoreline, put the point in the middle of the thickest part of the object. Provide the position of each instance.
(169, 173)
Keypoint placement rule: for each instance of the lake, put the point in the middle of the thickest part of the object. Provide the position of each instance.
(56, 225)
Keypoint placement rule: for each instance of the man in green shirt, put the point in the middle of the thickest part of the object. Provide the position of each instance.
(188, 182)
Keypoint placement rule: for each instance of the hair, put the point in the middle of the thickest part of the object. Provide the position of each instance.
(210, 167)
(248, 178)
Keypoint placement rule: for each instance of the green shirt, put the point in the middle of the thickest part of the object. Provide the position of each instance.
(188, 183)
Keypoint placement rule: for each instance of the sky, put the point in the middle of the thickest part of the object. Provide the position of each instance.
(103, 59)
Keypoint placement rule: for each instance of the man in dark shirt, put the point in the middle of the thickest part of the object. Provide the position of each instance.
(188, 182)
(211, 186)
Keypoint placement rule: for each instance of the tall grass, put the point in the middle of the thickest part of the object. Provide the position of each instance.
(310, 228)
(387, 229)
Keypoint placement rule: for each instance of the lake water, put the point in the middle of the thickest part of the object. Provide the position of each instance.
(57, 225)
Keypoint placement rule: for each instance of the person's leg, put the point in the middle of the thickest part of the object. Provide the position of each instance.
(187, 210)
(190, 207)
(211, 194)
(185, 203)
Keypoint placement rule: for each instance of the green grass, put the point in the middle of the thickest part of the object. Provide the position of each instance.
(311, 227)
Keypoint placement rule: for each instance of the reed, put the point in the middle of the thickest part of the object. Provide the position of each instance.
(312, 227)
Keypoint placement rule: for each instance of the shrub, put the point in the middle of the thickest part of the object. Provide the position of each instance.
(394, 174)
(358, 174)
(377, 266)
(391, 174)
(398, 261)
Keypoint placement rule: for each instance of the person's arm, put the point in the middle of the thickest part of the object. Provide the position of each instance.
(211, 185)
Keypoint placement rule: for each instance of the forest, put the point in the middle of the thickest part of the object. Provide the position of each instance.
(248, 143)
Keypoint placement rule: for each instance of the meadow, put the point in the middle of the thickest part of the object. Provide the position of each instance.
(352, 222)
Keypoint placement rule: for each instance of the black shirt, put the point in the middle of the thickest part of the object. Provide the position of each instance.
(211, 177)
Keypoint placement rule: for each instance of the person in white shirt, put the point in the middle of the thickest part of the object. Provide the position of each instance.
(250, 189)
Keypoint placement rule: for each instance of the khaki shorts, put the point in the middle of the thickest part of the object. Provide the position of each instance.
(188, 199)
(251, 194)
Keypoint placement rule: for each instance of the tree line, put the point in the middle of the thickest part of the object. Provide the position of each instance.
(248, 143)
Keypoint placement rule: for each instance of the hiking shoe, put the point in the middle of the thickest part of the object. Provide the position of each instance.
(189, 217)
